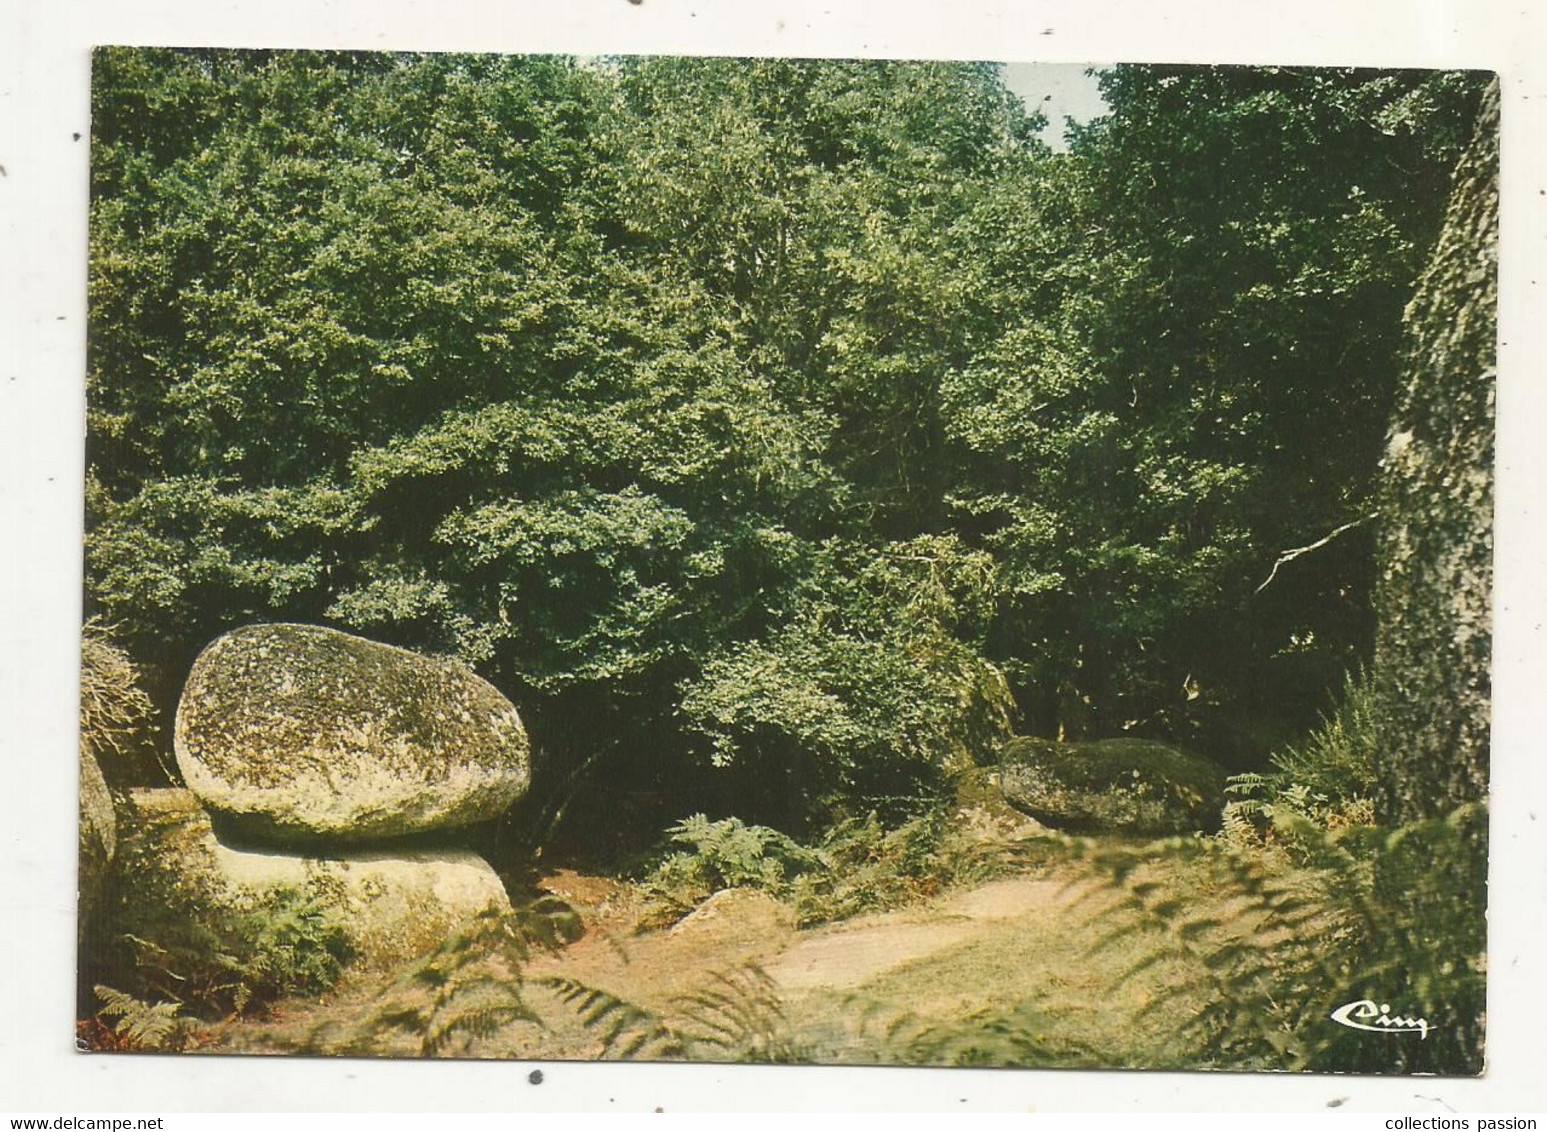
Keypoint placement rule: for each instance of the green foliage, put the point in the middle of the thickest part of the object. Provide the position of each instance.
(721, 854)
(292, 942)
(529, 418)
(469, 988)
(1327, 781)
(872, 691)
(186, 971)
(772, 431)
(1134, 786)
(1026, 1035)
(1341, 759)
(858, 865)
(777, 433)
(739, 1015)
(1201, 382)
(870, 868)
(1263, 810)
(625, 1029)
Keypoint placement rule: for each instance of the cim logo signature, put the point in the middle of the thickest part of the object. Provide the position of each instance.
(1364, 1014)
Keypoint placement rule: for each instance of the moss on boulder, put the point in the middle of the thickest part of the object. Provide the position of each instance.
(1134, 786)
(179, 881)
(299, 735)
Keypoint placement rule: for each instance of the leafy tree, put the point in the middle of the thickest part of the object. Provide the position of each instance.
(872, 686)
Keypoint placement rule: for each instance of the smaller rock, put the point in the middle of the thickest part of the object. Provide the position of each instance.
(1133, 786)
(736, 911)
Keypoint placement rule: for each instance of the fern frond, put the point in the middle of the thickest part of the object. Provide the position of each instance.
(626, 1029)
(144, 1025)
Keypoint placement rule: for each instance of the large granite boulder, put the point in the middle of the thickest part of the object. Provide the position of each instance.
(296, 735)
(1132, 786)
(391, 907)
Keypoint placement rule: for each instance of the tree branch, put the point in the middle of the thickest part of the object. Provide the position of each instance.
(1291, 555)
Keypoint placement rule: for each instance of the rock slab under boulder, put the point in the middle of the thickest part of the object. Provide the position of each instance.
(391, 906)
(299, 735)
(1133, 786)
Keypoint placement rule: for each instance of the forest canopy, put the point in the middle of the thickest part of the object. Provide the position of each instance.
(776, 434)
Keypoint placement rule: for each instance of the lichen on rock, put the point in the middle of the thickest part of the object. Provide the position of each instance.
(299, 735)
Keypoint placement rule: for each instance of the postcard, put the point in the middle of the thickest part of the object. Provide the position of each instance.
(796, 561)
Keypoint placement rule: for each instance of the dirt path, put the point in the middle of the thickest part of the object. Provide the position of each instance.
(843, 992)
(851, 954)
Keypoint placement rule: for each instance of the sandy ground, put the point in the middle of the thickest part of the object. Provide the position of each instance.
(848, 955)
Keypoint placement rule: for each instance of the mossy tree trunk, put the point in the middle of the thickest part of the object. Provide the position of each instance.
(1434, 638)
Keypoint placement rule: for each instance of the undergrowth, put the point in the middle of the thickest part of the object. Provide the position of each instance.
(467, 990)
(1341, 760)
(713, 855)
(1261, 810)
(1026, 1034)
(1327, 781)
(1409, 902)
(1251, 941)
(869, 868)
(738, 1016)
(858, 866)
(290, 942)
(123, 1022)
(741, 1016)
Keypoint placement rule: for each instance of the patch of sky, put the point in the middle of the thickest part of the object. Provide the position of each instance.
(1061, 91)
